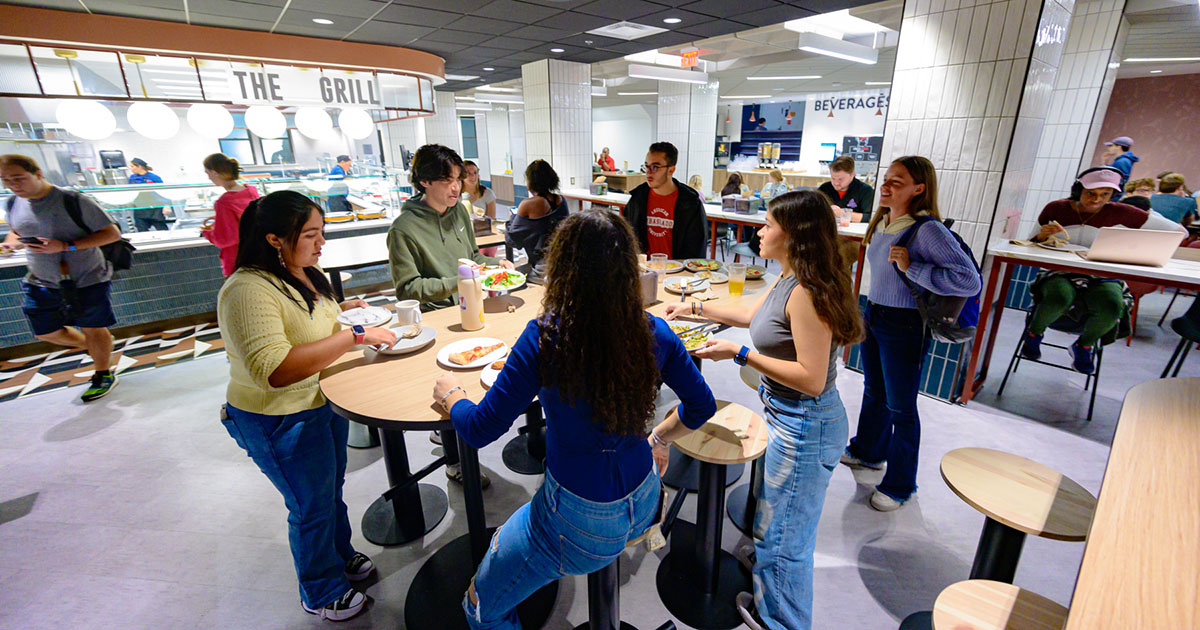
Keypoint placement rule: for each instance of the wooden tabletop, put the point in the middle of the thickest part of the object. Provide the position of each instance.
(1019, 492)
(988, 605)
(397, 391)
(734, 435)
(1141, 566)
(750, 377)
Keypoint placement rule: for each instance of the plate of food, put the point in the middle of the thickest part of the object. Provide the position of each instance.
(489, 373)
(693, 341)
(702, 264)
(674, 266)
(369, 316)
(469, 354)
(755, 272)
(686, 284)
(1061, 245)
(409, 345)
(503, 280)
(716, 277)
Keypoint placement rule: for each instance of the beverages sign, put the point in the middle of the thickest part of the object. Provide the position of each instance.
(254, 84)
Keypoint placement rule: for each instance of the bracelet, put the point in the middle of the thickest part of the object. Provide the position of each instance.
(693, 308)
(658, 441)
(447, 395)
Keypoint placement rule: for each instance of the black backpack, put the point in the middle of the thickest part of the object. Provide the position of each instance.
(118, 253)
(949, 318)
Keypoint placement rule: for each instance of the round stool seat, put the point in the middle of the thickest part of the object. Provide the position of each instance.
(988, 605)
(1020, 493)
(734, 435)
(345, 276)
(750, 376)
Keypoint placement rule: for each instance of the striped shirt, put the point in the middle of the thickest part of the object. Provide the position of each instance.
(938, 264)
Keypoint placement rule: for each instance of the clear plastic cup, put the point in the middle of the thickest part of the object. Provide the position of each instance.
(658, 262)
(844, 219)
(737, 278)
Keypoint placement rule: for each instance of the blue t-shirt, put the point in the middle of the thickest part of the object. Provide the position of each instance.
(148, 178)
(1173, 207)
(586, 460)
(337, 171)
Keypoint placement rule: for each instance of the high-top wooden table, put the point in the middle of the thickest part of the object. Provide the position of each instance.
(1141, 566)
(989, 605)
(621, 181)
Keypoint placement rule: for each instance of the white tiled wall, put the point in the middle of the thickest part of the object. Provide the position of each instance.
(687, 118)
(410, 133)
(499, 146)
(963, 68)
(558, 117)
(484, 161)
(443, 128)
(516, 143)
(1073, 111)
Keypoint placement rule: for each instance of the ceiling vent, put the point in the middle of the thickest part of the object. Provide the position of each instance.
(627, 31)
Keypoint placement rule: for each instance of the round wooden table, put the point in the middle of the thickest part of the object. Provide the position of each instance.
(395, 393)
(990, 605)
(698, 581)
(1018, 496)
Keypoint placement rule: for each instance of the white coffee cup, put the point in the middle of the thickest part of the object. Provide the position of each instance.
(408, 312)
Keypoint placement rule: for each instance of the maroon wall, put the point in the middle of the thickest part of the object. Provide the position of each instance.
(1162, 115)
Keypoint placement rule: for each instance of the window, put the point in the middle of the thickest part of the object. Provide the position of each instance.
(241, 144)
(470, 141)
(237, 144)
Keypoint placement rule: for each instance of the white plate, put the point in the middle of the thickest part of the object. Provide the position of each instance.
(443, 356)
(408, 346)
(371, 316)
(511, 272)
(488, 376)
(1069, 247)
(674, 284)
(716, 277)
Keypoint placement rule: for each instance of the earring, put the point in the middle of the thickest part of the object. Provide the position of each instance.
(281, 263)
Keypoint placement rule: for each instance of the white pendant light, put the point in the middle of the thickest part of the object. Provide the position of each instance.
(314, 122)
(356, 123)
(210, 120)
(153, 120)
(266, 121)
(87, 119)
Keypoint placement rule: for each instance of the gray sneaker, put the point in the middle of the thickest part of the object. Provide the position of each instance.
(454, 473)
(854, 462)
(745, 607)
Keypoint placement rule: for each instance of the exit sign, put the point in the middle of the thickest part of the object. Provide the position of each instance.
(689, 58)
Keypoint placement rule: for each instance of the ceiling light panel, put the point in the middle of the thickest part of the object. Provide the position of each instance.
(660, 73)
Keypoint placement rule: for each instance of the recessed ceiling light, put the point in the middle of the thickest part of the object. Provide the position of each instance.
(738, 98)
(1155, 71)
(556, 50)
(637, 93)
(672, 20)
(323, 21)
(488, 69)
(799, 77)
(877, 83)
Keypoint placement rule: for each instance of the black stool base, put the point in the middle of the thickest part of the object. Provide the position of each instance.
(680, 590)
(362, 436)
(741, 515)
(379, 524)
(998, 552)
(518, 459)
(684, 472)
(434, 600)
(918, 621)
(588, 626)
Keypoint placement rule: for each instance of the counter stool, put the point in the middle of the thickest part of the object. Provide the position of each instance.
(683, 473)
(698, 581)
(742, 503)
(1017, 497)
(526, 453)
(988, 605)
(604, 597)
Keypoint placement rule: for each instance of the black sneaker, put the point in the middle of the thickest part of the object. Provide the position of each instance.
(359, 567)
(1031, 347)
(343, 608)
(101, 385)
(1083, 358)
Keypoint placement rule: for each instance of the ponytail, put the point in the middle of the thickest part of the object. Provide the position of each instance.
(223, 165)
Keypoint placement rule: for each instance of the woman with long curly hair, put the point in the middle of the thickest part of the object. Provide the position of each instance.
(594, 359)
(796, 328)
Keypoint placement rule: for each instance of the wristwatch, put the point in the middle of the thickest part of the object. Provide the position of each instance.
(71, 246)
(742, 355)
(360, 334)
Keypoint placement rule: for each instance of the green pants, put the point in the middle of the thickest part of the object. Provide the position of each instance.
(1105, 302)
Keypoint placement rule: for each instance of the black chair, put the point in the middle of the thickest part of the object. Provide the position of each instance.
(1166, 311)
(1066, 325)
(1187, 327)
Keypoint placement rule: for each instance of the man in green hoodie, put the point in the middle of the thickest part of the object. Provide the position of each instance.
(433, 232)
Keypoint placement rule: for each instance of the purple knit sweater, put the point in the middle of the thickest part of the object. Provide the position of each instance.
(937, 264)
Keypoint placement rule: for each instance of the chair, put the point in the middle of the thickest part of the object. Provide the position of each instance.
(1062, 325)
(1187, 327)
(744, 249)
(988, 605)
(1167, 310)
(604, 597)
(1138, 289)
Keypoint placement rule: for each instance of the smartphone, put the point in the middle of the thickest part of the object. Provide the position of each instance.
(30, 240)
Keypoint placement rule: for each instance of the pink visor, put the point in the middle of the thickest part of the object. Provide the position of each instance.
(1101, 179)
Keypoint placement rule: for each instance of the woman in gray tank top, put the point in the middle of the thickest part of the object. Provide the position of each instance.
(796, 328)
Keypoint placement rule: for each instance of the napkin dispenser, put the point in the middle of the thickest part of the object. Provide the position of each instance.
(482, 225)
(741, 205)
(649, 288)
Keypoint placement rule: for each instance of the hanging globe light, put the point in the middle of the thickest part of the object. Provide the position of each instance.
(155, 121)
(86, 119)
(356, 123)
(314, 122)
(210, 120)
(266, 121)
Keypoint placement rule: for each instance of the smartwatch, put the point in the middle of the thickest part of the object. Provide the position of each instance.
(71, 246)
(360, 334)
(742, 355)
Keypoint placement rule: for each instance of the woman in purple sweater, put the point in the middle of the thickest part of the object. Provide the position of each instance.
(889, 429)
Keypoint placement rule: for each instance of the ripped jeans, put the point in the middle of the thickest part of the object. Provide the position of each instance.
(806, 438)
(554, 535)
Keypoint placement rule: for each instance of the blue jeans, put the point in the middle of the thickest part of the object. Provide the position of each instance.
(304, 455)
(889, 428)
(806, 438)
(556, 534)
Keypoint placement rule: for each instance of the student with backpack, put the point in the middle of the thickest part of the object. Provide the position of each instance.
(933, 259)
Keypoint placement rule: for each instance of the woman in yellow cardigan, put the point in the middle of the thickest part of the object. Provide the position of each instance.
(278, 317)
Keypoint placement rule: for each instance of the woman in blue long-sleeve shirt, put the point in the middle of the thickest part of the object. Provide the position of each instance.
(889, 429)
(594, 359)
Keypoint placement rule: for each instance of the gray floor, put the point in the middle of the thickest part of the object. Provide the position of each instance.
(138, 511)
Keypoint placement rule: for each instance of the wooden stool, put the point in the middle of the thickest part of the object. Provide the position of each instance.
(742, 504)
(1017, 496)
(683, 473)
(698, 580)
(989, 605)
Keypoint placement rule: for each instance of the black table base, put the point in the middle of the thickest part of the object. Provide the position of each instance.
(684, 472)
(742, 503)
(435, 597)
(385, 524)
(918, 621)
(526, 453)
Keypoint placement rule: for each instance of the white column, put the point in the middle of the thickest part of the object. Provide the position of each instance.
(499, 150)
(483, 140)
(443, 127)
(558, 117)
(687, 118)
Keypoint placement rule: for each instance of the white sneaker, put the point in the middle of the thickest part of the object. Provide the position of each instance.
(854, 462)
(745, 607)
(884, 503)
(359, 567)
(746, 556)
(345, 607)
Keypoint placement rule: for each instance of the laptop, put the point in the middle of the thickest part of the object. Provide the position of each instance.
(1152, 248)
